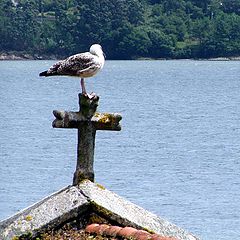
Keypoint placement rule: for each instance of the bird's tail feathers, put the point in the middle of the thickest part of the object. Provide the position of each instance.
(45, 74)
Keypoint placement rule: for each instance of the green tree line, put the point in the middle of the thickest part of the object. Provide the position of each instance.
(126, 29)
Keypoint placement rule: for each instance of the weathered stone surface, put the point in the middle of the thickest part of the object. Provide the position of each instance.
(100, 121)
(88, 104)
(129, 214)
(85, 153)
(107, 121)
(46, 214)
(87, 121)
(77, 201)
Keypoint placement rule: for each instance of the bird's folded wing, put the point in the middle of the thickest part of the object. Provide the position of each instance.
(73, 65)
(76, 63)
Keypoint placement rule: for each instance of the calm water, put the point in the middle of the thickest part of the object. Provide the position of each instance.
(178, 154)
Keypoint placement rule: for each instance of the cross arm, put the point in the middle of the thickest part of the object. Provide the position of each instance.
(101, 121)
(107, 121)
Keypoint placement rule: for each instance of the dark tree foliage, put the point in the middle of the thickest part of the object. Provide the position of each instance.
(127, 29)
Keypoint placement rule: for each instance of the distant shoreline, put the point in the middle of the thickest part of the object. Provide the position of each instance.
(26, 56)
(4, 56)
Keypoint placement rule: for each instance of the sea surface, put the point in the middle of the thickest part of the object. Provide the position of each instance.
(178, 154)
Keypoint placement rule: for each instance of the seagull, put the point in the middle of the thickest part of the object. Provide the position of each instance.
(81, 65)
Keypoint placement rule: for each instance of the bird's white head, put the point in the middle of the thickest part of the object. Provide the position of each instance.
(96, 49)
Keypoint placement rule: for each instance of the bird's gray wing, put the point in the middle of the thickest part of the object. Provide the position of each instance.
(74, 65)
(53, 70)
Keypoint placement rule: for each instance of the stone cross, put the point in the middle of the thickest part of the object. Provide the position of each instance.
(87, 121)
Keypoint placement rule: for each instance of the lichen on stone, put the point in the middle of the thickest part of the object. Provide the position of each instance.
(28, 218)
(100, 186)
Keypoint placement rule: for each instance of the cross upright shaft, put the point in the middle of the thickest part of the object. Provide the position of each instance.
(86, 140)
(87, 121)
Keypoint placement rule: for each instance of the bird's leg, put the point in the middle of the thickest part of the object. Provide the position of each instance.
(84, 92)
(83, 87)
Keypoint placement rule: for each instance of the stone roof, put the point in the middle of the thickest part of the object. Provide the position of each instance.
(79, 202)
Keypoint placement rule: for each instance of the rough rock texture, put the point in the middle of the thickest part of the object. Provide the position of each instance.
(87, 121)
(46, 214)
(74, 202)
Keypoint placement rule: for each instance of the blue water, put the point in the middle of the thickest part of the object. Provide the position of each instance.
(178, 154)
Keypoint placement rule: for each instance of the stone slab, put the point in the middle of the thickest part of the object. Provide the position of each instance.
(46, 214)
(129, 214)
(74, 201)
